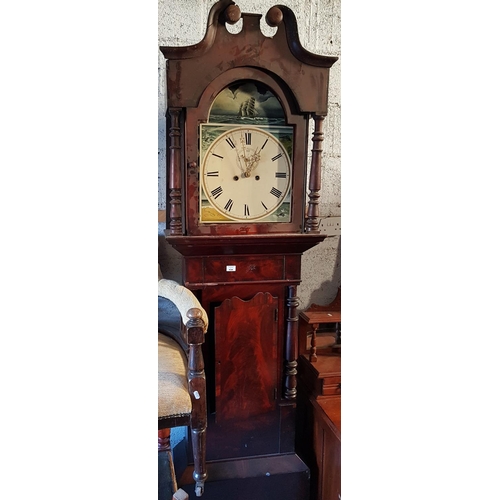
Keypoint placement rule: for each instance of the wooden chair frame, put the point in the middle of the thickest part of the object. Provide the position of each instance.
(191, 338)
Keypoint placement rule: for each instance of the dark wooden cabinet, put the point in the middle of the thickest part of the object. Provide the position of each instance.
(326, 444)
(319, 400)
(319, 442)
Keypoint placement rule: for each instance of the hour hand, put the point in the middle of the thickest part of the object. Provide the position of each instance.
(251, 163)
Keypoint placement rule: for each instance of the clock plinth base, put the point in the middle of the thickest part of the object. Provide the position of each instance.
(269, 478)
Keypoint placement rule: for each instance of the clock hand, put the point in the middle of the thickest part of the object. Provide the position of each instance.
(253, 159)
(246, 172)
(239, 162)
(238, 157)
(252, 163)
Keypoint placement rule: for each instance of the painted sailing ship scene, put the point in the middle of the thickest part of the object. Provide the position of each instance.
(247, 109)
(246, 101)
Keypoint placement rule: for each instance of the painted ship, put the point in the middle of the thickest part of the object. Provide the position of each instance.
(247, 108)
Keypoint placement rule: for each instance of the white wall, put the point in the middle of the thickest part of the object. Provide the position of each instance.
(183, 22)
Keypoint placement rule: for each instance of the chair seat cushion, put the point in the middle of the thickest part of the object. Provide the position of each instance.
(173, 395)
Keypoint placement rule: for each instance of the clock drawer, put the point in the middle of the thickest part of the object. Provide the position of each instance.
(232, 269)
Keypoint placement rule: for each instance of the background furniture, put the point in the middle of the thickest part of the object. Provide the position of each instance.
(320, 320)
(182, 324)
(319, 398)
(326, 446)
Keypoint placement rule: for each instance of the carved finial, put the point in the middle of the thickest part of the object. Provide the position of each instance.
(274, 16)
(232, 14)
(194, 313)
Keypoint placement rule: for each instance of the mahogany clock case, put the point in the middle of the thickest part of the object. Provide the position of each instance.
(227, 95)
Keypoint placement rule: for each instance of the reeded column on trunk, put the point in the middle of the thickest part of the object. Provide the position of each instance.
(175, 173)
(292, 328)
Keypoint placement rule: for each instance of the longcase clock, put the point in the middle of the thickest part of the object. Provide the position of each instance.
(241, 215)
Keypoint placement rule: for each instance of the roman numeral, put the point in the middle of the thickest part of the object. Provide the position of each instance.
(276, 157)
(281, 175)
(247, 210)
(276, 192)
(213, 174)
(229, 205)
(264, 205)
(230, 142)
(264, 145)
(248, 138)
(218, 156)
(216, 192)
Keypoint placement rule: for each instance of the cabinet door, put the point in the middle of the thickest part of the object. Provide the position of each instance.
(246, 368)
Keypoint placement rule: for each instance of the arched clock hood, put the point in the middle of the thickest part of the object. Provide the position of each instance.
(281, 55)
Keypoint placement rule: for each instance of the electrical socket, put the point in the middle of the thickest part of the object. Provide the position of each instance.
(330, 226)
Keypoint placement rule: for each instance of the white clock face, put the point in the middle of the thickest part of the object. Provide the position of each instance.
(246, 174)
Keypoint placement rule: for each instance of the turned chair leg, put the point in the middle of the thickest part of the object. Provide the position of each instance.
(198, 437)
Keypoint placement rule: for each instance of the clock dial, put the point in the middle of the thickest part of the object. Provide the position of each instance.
(246, 174)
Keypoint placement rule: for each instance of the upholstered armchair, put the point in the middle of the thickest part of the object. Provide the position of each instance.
(182, 324)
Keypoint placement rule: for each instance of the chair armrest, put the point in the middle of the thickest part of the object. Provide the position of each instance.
(184, 300)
